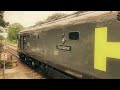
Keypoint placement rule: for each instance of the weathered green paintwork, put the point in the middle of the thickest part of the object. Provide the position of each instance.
(81, 57)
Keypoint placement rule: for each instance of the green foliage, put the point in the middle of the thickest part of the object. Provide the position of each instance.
(55, 16)
(39, 23)
(1, 43)
(1, 38)
(2, 22)
(13, 31)
(50, 18)
(13, 42)
(1, 47)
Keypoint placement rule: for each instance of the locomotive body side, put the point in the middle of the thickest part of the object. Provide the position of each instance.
(70, 48)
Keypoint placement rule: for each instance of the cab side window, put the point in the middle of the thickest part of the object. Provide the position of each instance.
(74, 35)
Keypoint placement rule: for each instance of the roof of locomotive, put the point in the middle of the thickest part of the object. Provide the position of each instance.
(71, 19)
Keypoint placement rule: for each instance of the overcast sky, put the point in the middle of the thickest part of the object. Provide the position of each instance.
(28, 18)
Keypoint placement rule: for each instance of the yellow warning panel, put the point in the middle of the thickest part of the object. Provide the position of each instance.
(104, 49)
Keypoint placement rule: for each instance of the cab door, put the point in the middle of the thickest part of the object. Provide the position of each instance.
(21, 42)
(24, 42)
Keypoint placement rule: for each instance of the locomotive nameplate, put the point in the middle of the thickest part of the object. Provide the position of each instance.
(61, 47)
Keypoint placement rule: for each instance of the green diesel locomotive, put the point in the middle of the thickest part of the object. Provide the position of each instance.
(81, 45)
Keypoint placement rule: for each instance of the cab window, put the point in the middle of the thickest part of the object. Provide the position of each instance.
(74, 35)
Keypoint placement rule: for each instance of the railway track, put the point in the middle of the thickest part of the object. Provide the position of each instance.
(12, 50)
(27, 72)
(52, 71)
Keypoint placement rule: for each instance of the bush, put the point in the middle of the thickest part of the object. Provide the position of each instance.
(1, 47)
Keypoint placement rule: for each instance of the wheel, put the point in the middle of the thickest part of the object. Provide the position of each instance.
(39, 67)
(46, 69)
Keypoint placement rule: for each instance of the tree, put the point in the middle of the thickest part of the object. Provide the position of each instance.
(1, 44)
(2, 22)
(1, 47)
(39, 23)
(50, 18)
(1, 37)
(13, 31)
(55, 16)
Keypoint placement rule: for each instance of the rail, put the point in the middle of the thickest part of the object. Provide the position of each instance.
(12, 49)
